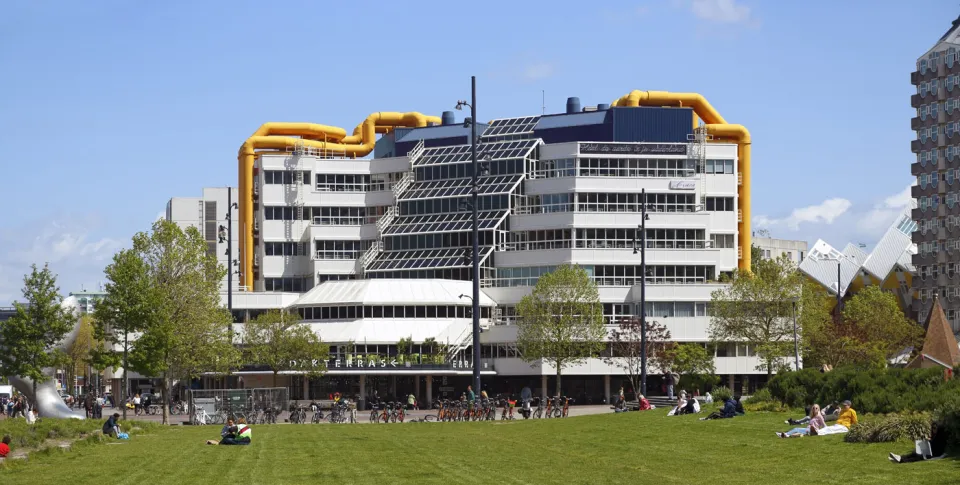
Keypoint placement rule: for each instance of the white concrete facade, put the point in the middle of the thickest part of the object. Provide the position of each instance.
(772, 248)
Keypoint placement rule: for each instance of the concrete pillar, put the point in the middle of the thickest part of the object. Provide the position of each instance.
(363, 392)
(730, 385)
(393, 387)
(429, 399)
(606, 388)
(543, 386)
(416, 387)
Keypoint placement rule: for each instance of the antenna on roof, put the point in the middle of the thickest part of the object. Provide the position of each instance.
(543, 102)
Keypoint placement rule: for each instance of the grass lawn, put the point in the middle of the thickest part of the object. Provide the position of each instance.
(603, 449)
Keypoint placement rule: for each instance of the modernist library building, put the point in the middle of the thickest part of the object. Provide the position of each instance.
(375, 251)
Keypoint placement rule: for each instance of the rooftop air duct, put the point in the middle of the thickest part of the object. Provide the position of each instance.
(573, 105)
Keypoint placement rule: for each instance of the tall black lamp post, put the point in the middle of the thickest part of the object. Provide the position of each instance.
(643, 289)
(226, 234)
(476, 234)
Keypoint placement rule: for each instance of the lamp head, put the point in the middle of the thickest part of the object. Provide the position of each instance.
(461, 104)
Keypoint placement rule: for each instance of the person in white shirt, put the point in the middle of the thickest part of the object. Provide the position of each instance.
(32, 416)
(136, 403)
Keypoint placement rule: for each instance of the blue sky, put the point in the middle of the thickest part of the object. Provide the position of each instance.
(108, 109)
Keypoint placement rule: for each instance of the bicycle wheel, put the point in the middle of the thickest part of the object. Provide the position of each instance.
(374, 417)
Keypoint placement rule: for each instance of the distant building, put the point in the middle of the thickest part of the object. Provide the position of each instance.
(86, 300)
(771, 248)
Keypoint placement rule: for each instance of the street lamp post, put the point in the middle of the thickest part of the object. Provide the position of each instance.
(796, 340)
(643, 289)
(476, 232)
(226, 233)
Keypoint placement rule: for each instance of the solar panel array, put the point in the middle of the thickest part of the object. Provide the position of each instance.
(485, 151)
(460, 187)
(511, 126)
(425, 259)
(453, 222)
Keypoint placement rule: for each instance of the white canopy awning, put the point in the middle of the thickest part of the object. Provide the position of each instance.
(392, 292)
(390, 331)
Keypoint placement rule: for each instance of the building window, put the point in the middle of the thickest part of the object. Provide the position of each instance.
(284, 249)
(722, 241)
(328, 249)
(284, 177)
(720, 204)
(294, 284)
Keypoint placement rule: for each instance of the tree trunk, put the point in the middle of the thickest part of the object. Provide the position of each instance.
(769, 369)
(558, 378)
(164, 390)
(274, 378)
(34, 403)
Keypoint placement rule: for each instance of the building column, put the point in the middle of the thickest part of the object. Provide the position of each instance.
(306, 387)
(416, 386)
(730, 385)
(363, 392)
(543, 386)
(606, 389)
(429, 399)
(393, 387)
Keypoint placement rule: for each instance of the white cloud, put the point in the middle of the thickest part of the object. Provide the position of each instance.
(863, 223)
(72, 247)
(722, 11)
(537, 71)
(825, 212)
(882, 214)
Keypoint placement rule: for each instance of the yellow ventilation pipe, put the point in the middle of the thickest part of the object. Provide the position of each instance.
(324, 138)
(721, 131)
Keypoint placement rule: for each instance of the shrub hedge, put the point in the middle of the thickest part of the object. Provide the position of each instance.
(871, 391)
(889, 428)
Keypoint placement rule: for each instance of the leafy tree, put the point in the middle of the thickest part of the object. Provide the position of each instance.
(561, 321)
(756, 309)
(125, 310)
(188, 331)
(872, 331)
(626, 343)
(30, 335)
(78, 354)
(279, 341)
(405, 349)
(689, 360)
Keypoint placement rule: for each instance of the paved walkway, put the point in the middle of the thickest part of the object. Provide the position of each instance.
(362, 416)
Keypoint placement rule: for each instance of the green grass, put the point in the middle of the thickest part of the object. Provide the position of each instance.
(605, 449)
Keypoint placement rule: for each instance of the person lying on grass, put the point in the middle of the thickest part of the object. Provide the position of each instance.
(815, 424)
(931, 448)
(829, 413)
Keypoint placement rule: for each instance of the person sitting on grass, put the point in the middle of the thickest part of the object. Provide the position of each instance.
(739, 406)
(829, 413)
(644, 403)
(681, 404)
(931, 448)
(112, 427)
(234, 434)
(815, 425)
(729, 410)
(5, 446)
(847, 418)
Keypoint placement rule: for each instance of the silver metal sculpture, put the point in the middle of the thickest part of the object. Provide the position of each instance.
(47, 400)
